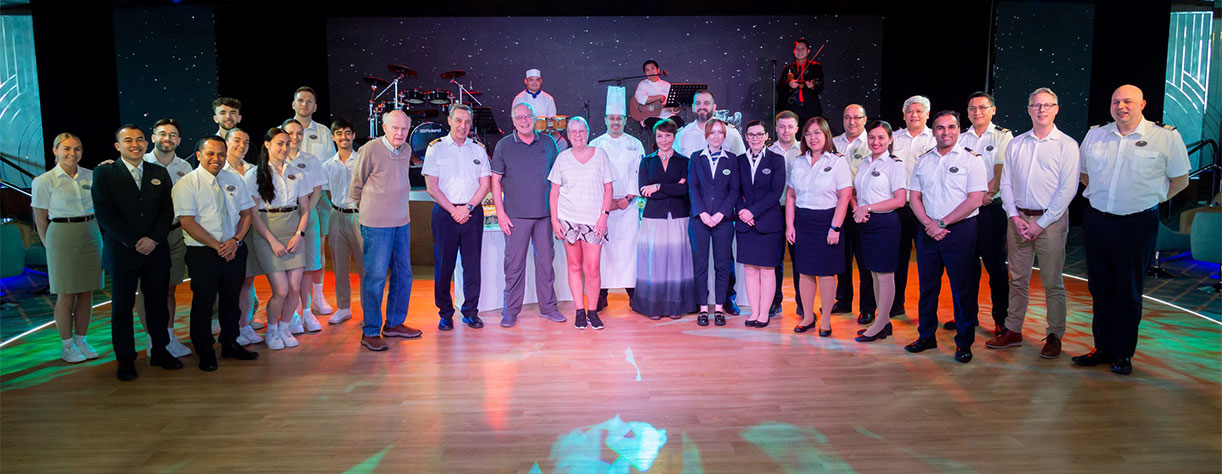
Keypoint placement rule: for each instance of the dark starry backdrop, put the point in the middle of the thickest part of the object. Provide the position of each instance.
(730, 54)
(166, 64)
(1043, 44)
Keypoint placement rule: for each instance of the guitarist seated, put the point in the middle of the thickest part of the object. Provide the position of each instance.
(650, 97)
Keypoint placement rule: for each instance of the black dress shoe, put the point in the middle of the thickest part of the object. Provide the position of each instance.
(762, 324)
(127, 371)
(949, 325)
(602, 300)
(801, 329)
(865, 318)
(774, 311)
(749, 323)
(730, 308)
(162, 358)
(1122, 366)
(841, 308)
(719, 319)
(921, 345)
(703, 319)
(862, 337)
(473, 322)
(825, 332)
(963, 354)
(207, 360)
(446, 324)
(899, 311)
(236, 351)
(1091, 359)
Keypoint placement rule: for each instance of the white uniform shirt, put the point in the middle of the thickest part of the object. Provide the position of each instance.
(339, 177)
(1040, 175)
(647, 88)
(312, 166)
(625, 155)
(177, 169)
(790, 155)
(908, 148)
(878, 179)
(945, 180)
(581, 186)
(815, 186)
(316, 140)
(991, 146)
(690, 139)
(62, 195)
(288, 186)
(543, 104)
(250, 170)
(1132, 173)
(853, 151)
(195, 195)
(458, 168)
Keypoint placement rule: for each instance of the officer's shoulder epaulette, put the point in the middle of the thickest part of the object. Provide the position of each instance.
(969, 150)
(929, 150)
(477, 142)
(434, 142)
(838, 154)
(1168, 127)
(1001, 129)
(897, 159)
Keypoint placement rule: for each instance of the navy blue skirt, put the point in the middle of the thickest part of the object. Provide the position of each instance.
(812, 255)
(758, 248)
(880, 242)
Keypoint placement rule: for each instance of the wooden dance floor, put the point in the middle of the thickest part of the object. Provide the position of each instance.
(640, 395)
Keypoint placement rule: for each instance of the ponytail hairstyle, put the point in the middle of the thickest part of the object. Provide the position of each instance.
(263, 176)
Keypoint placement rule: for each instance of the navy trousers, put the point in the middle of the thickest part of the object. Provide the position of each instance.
(956, 254)
(844, 281)
(991, 248)
(722, 237)
(449, 239)
(910, 230)
(1118, 250)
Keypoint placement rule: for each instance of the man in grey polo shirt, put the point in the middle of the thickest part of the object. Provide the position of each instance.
(520, 165)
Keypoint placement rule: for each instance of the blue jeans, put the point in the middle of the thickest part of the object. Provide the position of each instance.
(386, 249)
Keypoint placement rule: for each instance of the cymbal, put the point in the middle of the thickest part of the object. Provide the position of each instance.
(375, 81)
(455, 74)
(404, 70)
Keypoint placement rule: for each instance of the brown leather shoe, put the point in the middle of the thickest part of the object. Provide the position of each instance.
(374, 343)
(1052, 348)
(1006, 339)
(401, 331)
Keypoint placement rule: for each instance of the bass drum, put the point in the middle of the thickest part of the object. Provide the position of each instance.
(424, 134)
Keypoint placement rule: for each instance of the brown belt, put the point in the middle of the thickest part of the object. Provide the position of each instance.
(1031, 212)
(73, 219)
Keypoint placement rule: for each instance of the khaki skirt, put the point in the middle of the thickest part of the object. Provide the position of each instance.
(178, 256)
(312, 243)
(283, 225)
(252, 262)
(74, 257)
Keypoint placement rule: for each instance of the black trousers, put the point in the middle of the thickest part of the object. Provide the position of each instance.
(956, 255)
(153, 277)
(449, 239)
(910, 230)
(721, 237)
(212, 276)
(991, 248)
(1118, 250)
(844, 281)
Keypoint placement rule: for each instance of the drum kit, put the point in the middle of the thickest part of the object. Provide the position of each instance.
(420, 104)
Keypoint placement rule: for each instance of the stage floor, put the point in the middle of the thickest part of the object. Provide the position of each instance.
(662, 396)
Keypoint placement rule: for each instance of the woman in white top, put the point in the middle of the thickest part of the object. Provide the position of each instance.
(878, 191)
(63, 215)
(237, 143)
(580, 201)
(282, 194)
(311, 282)
(820, 186)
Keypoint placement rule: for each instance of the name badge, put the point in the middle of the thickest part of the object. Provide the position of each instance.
(476, 161)
(725, 172)
(875, 173)
(292, 176)
(181, 174)
(230, 188)
(156, 182)
(313, 137)
(1142, 143)
(829, 168)
(954, 169)
(86, 187)
(988, 148)
(767, 171)
(301, 165)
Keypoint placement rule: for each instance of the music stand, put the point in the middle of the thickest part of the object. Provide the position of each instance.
(682, 94)
(484, 121)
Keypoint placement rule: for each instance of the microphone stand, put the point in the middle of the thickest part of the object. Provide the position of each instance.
(773, 87)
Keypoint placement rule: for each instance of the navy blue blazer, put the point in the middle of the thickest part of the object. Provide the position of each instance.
(713, 191)
(671, 197)
(127, 214)
(762, 196)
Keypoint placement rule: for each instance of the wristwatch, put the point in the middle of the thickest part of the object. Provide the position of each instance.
(470, 207)
(941, 224)
(302, 232)
(835, 228)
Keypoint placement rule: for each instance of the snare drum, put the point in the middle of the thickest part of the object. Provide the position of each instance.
(440, 97)
(415, 96)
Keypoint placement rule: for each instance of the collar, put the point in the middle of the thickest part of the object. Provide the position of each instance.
(972, 129)
(1055, 134)
(860, 138)
(716, 156)
(205, 176)
(924, 131)
(783, 149)
(151, 157)
(386, 142)
(957, 148)
(518, 139)
(757, 156)
(139, 165)
(235, 170)
(533, 95)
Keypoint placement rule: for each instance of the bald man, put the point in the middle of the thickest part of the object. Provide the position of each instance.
(1129, 167)
(380, 187)
(852, 144)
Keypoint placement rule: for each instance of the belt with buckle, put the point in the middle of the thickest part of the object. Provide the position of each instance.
(1031, 212)
(345, 211)
(279, 209)
(73, 219)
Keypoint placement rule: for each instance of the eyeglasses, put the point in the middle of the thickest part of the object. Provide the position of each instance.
(164, 134)
(854, 117)
(756, 135)
(1042, 106)
(523, 117)
(812, 134)
(980, 108)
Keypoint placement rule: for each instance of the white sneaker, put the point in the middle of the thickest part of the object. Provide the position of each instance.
(83, 346)
(251, 336)
(176, 348)
(340, 316)
(295, 326)
(311, 323)
(242, 340)
(273, 339)
(319, 301)
(286, 336)
(70, 353)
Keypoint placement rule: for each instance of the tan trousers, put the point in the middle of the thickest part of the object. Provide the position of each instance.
(344, 238)
(1049, 247)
